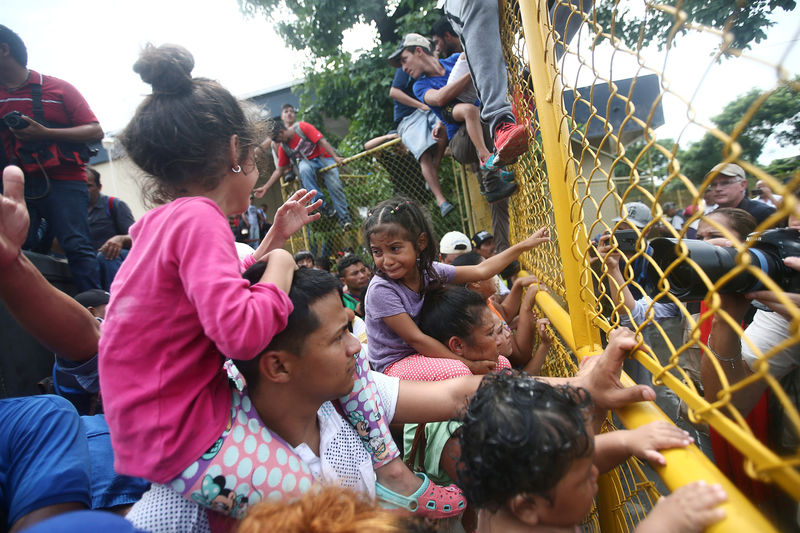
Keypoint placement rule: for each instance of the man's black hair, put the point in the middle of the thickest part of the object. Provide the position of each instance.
(346, 262)
(520, 436)
(468, 259)
(308, 286)
(286, 105)
(95, 174)
(512, 269)
(274, 127)
(451, 312)
(442, 26)
(304, 254)
(15, 45)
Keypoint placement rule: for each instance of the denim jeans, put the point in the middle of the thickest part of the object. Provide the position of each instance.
(109, 267)
(308, 175)
(66, 210)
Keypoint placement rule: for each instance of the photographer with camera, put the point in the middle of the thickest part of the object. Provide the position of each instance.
(45, 126)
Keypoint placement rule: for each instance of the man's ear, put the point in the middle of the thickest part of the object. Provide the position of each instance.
(422, 241)
(276, 366)
(456, 345)
(524, 509)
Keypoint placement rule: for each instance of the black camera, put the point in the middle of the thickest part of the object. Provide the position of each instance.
(766, 253)
(15, 121)
(625, 240)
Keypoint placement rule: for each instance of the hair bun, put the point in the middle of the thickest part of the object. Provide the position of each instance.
(167, 68)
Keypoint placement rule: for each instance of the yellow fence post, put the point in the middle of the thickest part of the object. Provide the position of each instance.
(561, 170)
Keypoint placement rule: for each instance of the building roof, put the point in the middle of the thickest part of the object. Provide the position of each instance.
(642, 91)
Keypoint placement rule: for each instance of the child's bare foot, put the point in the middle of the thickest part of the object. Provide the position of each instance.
(399, 487)
(690, 509)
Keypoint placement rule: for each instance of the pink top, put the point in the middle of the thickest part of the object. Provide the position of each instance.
(178, 303)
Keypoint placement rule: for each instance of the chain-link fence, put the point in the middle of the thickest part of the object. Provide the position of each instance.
(369, 178)
(594, 149)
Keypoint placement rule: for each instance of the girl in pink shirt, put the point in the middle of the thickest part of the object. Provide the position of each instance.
(179, 307)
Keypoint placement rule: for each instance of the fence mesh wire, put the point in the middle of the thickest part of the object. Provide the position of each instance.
(607, 101)
(368, 178)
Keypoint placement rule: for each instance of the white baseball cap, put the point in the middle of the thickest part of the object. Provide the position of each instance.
(455, 242)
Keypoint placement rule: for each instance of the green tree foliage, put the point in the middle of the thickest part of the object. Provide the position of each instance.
(747, 20)
(784, 168)
(336, 84)
(777, 117)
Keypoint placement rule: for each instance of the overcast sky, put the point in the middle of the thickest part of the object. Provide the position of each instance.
(93, 44)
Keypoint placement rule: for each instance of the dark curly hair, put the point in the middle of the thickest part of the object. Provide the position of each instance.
(520, 436)
(180, 134)
(412, 221)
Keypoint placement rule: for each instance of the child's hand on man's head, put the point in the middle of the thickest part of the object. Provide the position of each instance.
(645, 441)
(689, 509)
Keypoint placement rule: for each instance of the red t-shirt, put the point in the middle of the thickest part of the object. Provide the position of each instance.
(62, 105)
(310, 149)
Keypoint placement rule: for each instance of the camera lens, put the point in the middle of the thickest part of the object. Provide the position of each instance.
(685, 279)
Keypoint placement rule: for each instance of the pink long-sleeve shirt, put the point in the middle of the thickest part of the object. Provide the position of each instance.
(178, 303)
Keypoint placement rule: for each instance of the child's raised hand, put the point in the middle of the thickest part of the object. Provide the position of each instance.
(296, 212)
(689, 509)
(538, 237)
(530, 294)
(544, 333)
(479, 368)
(644, 442)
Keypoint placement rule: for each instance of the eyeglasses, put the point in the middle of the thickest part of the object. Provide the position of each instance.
(721, 184)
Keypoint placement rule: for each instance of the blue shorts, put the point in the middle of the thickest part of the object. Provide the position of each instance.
(415, 132)
(44, 458)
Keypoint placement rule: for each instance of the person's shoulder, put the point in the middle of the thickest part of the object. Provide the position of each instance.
(306, 126)
(50, 82)
(401, 79)
(451, 59)
(756, 208)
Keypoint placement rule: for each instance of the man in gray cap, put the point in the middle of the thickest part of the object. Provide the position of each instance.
(729, 187)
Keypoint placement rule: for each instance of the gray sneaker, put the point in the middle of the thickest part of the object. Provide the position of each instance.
(496, 188)
(446, 208)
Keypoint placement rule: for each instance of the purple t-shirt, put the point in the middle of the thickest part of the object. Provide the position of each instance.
(386, 297)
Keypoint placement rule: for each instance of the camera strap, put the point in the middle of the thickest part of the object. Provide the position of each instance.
(36, 100)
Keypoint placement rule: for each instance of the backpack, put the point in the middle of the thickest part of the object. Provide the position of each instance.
(112, 213)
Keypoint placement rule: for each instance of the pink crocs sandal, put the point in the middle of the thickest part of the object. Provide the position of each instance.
(430, 500)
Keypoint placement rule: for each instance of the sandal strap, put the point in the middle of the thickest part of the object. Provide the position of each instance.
(394, 499)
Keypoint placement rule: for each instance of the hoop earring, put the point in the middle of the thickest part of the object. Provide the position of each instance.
(237, 169)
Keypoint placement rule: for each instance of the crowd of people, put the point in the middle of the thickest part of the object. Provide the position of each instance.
(215, 388)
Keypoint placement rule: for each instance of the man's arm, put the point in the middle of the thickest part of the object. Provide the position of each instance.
(420, 401)
(444, 95)
(37, 132)
(259, 192)
(113, 246)
(403, 98)
(328, 148)
(53, 318)
(123, 220)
